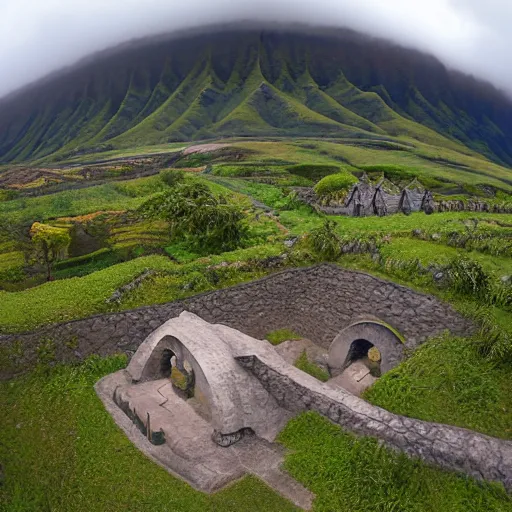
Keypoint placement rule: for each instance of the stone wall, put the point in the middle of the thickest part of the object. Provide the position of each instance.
(454, 448)
(316, 302)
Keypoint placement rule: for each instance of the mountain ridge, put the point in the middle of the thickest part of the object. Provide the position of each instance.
(254, 83)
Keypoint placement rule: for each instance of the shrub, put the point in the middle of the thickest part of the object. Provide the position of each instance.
(469, 278)
(172, 177)
(325, 242)
(334, 183)
(492, 341)
(196, 215)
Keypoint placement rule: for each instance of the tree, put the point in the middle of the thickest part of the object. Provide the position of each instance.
(49, 245)
(198, 216)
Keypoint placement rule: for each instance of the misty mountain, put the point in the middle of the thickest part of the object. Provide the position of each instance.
(256, 83)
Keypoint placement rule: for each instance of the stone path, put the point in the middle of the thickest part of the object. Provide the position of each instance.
(355, 379)
(189, 452)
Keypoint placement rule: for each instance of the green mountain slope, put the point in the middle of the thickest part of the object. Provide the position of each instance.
(254, 83)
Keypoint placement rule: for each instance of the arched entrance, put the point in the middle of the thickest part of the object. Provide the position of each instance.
(371, 340)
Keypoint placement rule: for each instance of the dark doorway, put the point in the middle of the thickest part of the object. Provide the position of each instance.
(166, 363)
(358, 350)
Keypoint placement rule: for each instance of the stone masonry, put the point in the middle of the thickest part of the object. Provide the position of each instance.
(251, 389)
(317, 302)
(477, 455)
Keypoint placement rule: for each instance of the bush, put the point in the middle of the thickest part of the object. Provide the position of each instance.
(492, 341)
(172, 177)
(325, 242)
(469, 278)
(197, 216)
(333, 183)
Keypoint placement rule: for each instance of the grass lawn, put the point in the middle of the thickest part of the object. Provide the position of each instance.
(350, 474)
(80, 297)
(71, 298)
(446, 381)
(61, 451)
(430, 252)
(303, 219)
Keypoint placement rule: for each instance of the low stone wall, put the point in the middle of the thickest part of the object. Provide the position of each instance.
(458, 449)
(316, 302)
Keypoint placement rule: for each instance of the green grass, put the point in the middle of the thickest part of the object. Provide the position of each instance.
(429, 252)
(125, 153)
(111, 196)
(415, 157)
(195, 277)
(68, 299)
(243, 171)
(314, 172)
(279, 335)
(11, 260)
(352, 474)
(100, 262)
(304, 364)
(447, 381)
(301, 220)
(80, 297)
(124, 195)
(61, 451)
(335, 183)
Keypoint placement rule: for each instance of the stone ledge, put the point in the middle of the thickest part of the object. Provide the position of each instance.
(453, 448)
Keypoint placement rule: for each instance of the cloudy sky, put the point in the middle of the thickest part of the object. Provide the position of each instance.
(40, 36)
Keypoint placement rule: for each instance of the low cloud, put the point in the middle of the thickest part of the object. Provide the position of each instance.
(40, 36)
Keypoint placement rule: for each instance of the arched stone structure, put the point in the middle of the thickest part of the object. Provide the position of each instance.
(252, 386)
(234, 399)
(365, 333)
(153, 368)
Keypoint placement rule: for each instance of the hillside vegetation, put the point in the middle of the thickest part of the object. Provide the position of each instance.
(255, 83)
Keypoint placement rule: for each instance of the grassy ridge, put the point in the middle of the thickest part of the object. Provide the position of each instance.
(252, 83)
(446, 381)
(359, 475)
(79, 297)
